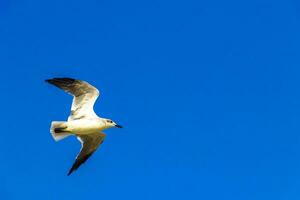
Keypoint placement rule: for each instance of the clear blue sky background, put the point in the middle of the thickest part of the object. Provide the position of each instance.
(208, 93)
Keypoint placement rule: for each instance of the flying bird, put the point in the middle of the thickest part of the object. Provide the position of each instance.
(82, 122)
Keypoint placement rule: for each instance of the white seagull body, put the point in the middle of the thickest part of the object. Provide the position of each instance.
(83, 121)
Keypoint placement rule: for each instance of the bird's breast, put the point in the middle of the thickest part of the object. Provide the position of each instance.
(85, 126)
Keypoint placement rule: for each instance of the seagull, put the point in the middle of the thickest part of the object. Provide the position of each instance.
(83, 122)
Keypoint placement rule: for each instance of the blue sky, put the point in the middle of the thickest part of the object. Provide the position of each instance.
(207, 92)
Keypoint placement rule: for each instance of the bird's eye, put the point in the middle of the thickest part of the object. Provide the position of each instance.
(109, 121)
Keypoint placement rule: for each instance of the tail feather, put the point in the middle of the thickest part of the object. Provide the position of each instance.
(58, 130)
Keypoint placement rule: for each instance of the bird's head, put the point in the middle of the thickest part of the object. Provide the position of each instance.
(110, 123)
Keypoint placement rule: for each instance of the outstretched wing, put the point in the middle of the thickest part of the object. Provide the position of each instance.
(89, 143)
(84, 95)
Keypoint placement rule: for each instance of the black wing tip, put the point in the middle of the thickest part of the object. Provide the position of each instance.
(48, 80)
(77, 163)
(70, 172)
(73, 168)
(63, 79)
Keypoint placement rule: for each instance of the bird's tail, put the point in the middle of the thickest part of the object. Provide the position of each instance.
(59, 130)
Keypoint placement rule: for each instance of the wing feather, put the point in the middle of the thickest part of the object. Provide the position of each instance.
(84, 96)
(89, 143)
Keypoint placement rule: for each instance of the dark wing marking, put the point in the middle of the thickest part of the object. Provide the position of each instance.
(84, 95)
(89, 143)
